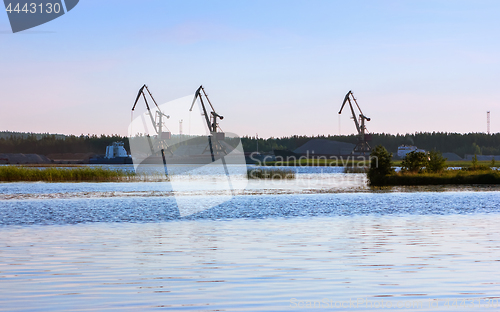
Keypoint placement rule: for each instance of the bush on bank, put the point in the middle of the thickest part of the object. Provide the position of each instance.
(421, 169)
(380, 165)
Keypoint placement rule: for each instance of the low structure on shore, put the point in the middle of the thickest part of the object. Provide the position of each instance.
(21, 159)
(70, 158)
(323, 147)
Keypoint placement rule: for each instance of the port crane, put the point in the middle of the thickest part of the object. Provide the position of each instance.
(214, 144)
(216, 148)
(362, 145)
(160, 144)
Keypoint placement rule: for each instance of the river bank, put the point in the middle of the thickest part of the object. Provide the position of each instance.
(59, 174)
(448, 177)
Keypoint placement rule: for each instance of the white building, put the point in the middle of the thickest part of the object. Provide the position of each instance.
(115, 150)
(405, 149)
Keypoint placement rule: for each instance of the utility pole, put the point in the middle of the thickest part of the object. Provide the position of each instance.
(488, 121)
(180, 130)
(257, 137)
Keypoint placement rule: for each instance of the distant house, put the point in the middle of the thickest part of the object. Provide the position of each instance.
(405, 149)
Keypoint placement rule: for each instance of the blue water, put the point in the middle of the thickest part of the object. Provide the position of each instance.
(164, 208)
(366, 249)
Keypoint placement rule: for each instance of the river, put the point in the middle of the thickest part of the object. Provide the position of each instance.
(323, 241)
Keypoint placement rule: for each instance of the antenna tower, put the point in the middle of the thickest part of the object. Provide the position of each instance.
(488, 121)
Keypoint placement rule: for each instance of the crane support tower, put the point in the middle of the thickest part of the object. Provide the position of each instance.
(362, 147)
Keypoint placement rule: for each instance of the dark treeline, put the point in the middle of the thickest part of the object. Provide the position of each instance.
(52, 144)
(461, 144)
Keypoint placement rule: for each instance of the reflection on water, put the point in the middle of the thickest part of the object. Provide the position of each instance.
(200, 182)
(249, 264)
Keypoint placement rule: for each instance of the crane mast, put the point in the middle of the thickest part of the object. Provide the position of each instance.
(362, 146)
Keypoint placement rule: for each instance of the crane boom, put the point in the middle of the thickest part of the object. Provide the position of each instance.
(215, 147)
(160, 144)
(159, 113)
(362, 146)
(211, 119)
(348, 99)
(196, 96)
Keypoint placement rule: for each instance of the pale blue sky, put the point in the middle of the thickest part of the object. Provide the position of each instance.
(270, 67)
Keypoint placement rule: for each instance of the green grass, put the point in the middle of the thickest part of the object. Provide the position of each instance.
(445, 177)
(468, 163)
(270, 174)
(85, 174)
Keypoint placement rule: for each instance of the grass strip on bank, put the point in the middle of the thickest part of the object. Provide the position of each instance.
(97, 174)
(270, 174)
(450, 177)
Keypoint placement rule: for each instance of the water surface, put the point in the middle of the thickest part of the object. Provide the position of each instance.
(124, 246)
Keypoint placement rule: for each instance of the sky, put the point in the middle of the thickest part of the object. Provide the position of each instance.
(272, 68)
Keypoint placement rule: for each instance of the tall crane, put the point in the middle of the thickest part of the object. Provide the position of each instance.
(216, 148)
(211, 119)
(157, 121)
(362, 146)
(160, 145)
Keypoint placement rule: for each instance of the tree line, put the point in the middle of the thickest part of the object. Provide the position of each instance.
(461, 144)
(51, 144)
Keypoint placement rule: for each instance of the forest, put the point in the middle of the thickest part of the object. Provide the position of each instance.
(461, 144)
(45, 144)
